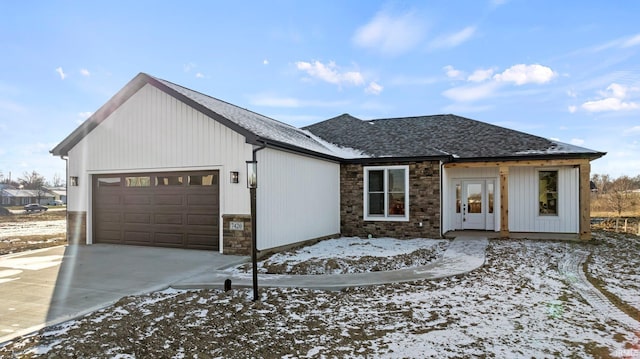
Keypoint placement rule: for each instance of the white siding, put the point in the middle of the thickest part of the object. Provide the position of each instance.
(298, 198)
(523, 201)
(153, 131)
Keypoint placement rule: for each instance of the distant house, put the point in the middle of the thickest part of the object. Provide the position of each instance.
(19, 197)
(163, 165)
(59, 193)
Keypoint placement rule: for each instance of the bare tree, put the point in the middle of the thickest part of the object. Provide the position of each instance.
(32, 180)
(619, 194)
(57, 181)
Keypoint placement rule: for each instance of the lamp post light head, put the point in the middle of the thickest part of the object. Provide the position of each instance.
(252, 174)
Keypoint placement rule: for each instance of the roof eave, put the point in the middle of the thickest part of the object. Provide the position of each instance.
(588, 155)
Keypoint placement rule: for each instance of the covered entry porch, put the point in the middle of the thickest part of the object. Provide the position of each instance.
(517, 198)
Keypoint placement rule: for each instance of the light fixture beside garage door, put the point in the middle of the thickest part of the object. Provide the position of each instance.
(234, 176)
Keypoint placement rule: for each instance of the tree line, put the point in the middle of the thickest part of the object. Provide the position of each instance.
(617, 194)
(32, 180)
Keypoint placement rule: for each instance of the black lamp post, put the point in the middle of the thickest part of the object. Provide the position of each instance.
(252, 184)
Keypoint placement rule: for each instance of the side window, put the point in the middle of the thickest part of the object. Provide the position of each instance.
(386, 193)
(548, 193)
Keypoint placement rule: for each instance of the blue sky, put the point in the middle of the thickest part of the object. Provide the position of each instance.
(564, 70)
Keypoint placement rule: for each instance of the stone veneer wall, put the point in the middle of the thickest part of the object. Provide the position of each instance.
(236, 242)
(424, 203)
(76, 227)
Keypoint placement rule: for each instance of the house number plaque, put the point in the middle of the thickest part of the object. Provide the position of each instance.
(236, 226)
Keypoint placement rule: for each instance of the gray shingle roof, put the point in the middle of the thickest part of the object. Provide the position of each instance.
(260, 126)
(346, 137)
(439, 135)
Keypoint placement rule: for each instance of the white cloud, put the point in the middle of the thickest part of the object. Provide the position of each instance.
(616, 90)
(523, 74)
(61, 73)
(390, 34)
(613, 100)
(572, 94)
(452, 72)
(577, 141)
(609, 104)
(330, 73)
(480, 75)
(373, 88)
(85, 72)
(199, 75)
(471, 93)
(453, 40)
(630, 42)
(265, 62)
(572, 109)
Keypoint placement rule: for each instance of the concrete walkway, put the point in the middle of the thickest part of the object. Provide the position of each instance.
(463, 255)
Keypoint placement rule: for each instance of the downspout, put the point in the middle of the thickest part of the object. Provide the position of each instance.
(441, 199)
(254, 227)
(66, 190)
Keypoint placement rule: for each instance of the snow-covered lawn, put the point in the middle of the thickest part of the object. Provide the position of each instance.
(351, 255)
(516, 306)
(34, 228)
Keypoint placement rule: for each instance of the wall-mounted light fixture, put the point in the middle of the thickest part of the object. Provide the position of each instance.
(252, 174)
(234, 176)
(73, 181)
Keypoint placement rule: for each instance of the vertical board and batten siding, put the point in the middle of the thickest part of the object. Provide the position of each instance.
(449, 192)
(523, 201)
(153, 132)
(298, 198)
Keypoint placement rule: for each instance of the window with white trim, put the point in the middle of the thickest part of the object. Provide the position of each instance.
(386, 193)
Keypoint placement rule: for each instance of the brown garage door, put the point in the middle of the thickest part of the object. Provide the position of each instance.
(176, 209)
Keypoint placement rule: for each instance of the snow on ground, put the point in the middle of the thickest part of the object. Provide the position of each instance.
(351, 255)
(518, 305)
(620, 273)
(32, 228)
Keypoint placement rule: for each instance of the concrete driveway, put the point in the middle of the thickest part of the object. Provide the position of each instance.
(48, 286)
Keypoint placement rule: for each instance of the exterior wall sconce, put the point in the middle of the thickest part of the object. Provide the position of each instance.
(252, 174)
(73, 181)
(234, 176)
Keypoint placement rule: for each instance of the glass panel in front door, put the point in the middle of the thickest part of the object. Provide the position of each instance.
(474, 198)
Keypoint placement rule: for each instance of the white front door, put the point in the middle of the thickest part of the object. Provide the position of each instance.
(473, 204)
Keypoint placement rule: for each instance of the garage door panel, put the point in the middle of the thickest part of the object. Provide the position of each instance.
(108, 199)
(136, 237)
(171, 239)
(144, 218)
(137, 199)
(201, 219)
(109, 217)
(173, 200)
(109, 236)
(169, 219)
(160, 209)
(201, 200)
